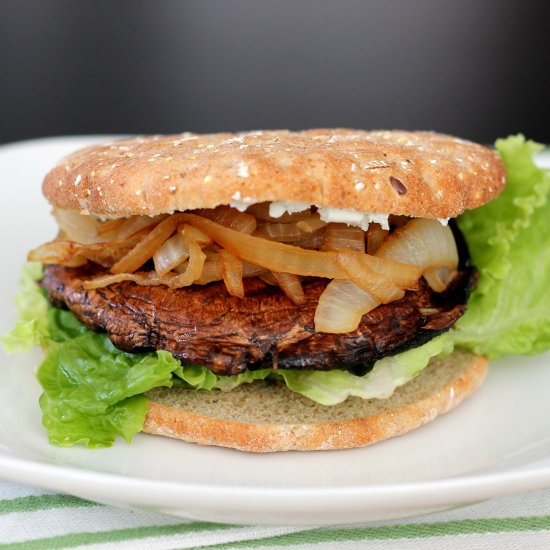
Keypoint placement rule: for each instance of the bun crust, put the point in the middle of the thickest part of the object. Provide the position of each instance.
(266, 417)
(421, 174)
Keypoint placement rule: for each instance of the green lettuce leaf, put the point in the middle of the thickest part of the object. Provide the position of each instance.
(332, 387)
(32, 326)
(509, 242)
(93, 391)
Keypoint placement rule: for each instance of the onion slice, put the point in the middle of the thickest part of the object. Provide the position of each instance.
(425, 243)
(232, 271)
(272, 255)
(375, 237)
(290, 284)
(172, 253)
(65, 253)
(341, 307)
(381, 286)
(77, 227)
(281, 232)
(230, 217)
(439, 278)
(196, 260)
(340, 235)
(136, 224)
(143, 278)
(145, 249)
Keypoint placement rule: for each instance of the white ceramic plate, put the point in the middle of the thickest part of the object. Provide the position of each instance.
(498, 442)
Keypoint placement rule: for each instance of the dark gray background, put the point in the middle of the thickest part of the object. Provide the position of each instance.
(475, 68)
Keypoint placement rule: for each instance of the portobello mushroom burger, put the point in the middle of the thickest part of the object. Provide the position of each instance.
(264, 291)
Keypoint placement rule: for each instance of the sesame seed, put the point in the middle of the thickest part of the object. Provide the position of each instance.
(139, 192)
(165, 177)
(60, 183)
(93, 174)
(207, 179)
(77, 180)
(172, 188)
(242, 170)
(359, 186)
(353, 167)
(460, 176)
(88, 192)
(433, 161)
(377, 185)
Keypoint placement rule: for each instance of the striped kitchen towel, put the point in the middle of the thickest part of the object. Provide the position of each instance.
(33, 519)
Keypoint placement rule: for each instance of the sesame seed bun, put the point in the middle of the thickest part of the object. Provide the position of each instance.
(419, 174)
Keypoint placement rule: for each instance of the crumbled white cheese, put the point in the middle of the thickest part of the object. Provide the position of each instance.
(352, 217)
(278, 208)
(241, 203)
(327, 213)
(330, 214)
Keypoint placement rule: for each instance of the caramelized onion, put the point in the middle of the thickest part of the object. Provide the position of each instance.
(270, 254)
(341, 307)
(58, 252)
(232, 271)
(340, 235)
(382, 287)
(402, 275)
(77, 227)
(230, 217)
(143, 278)
(195, 263)
(281, 232)
(290, 284)
(311, 224)
(425, 243)
(375, 237)
(145, 249)
(211, 270)
(136, 224)
(172, 253)
(439, 278)
(72, 254)
(110, 226)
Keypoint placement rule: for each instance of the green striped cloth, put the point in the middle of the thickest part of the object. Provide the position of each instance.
(32, 519)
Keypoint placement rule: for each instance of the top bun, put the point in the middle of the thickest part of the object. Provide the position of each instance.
(420, 174)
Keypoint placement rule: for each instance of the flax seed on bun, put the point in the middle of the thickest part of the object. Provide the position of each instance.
(419, 174)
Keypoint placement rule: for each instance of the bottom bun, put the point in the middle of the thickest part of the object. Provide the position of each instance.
(266, 417)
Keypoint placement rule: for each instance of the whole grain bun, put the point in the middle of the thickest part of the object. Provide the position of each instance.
(419, 174)
(266, 417)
